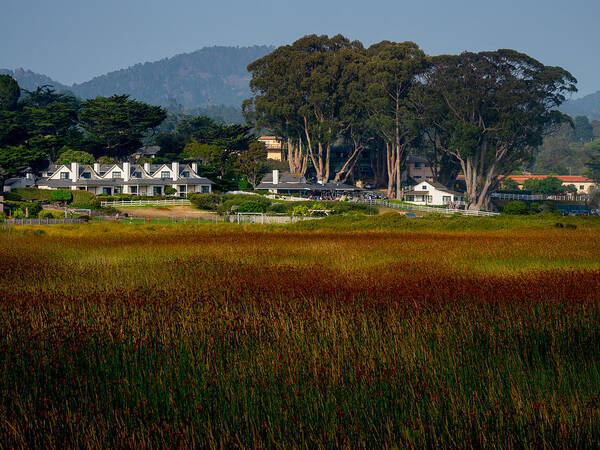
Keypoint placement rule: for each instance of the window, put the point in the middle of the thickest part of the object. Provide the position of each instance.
(424, 187)
(446, 198)
(185, 174)
(418, 165)
(429, 198)
(137, 174)
(581, 187)
(116, 175)
(133, 189)
(165, 174)
(86, 175)
(64, 175)
(156, 190)
(107, 191)
(182, 190)
(410, 198)
(417, 176)
(205, 189)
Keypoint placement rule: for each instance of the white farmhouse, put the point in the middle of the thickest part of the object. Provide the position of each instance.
(126, 178)
(432, 193)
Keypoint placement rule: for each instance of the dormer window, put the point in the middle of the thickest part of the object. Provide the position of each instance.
(116, 175)
(86, 175)
(185, 174)
(165, 174)
(137, 174)
(64, 175)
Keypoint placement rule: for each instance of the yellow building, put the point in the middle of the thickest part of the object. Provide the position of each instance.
(274, 147)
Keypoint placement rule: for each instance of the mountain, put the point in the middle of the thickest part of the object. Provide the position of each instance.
(585, 106)
(30, 80)
(210, 76)
(202, 79)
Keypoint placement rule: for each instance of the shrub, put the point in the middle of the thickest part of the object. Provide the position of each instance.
(301, 210)
(45, 214)
(62, 195)
(21, 209)
(516, 208)
(208, 202)
(169, 190)
(35, 194)
(244, 203)
(85, 200)
(281, 208)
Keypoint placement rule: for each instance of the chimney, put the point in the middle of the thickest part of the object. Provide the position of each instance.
(75, 170)
(195, 168)
(126, 171)
(147, 167)
(276, 177)
(175, 170)
(97, 168)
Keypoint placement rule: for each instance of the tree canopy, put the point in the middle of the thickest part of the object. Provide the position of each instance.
(118, 123)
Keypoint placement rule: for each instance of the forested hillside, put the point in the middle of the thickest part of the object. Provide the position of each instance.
(30, 80)
(586, 106)
(210, 76)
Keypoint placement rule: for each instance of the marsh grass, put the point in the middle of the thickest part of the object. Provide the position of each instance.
(228, 336)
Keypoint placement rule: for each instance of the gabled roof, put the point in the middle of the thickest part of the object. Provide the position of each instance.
(441, 187)
(283, 178)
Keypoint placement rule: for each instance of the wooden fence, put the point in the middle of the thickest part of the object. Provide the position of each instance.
(168, 202)
(43, 221)
(430, 209)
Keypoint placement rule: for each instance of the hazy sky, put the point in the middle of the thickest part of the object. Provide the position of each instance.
(74, 40)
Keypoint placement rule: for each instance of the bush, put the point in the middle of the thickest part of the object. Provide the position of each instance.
(209, 202)
(85, 200)
(45, 214)
(281, 208)
(516, 208)
(301, 210)
(169, 190)
(62, 195)
(243, 203)
(21, 209)
(35, 194)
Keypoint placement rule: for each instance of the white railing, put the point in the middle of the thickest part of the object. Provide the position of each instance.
(48, 221)
(534, 197)
(411, 207)
(168, 202)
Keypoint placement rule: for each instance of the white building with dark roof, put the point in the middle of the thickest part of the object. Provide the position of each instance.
(432, 193)
(126, 178)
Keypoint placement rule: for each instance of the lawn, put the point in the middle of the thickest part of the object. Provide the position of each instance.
(424, 332)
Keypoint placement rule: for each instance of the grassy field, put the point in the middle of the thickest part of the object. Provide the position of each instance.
(424, 332)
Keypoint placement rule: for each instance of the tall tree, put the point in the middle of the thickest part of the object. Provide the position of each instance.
(299, 91)
(9, 93)
(391, 72)
(118, 124)
(496, 108)
(252, 163)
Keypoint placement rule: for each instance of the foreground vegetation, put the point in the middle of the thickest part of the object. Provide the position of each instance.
(220, 335)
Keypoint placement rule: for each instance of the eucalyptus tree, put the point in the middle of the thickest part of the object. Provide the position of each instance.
(391, 71)
(495, 108)
(299, 91)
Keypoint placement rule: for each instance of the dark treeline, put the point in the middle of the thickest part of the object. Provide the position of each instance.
(42, 126)
(482, 114)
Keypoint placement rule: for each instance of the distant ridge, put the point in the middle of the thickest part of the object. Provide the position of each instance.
(30, 80)
(586, 106)
(209, 76)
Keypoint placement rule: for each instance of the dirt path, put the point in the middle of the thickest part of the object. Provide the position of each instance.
(171, 211)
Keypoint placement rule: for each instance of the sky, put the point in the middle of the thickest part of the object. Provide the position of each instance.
(75, 40)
